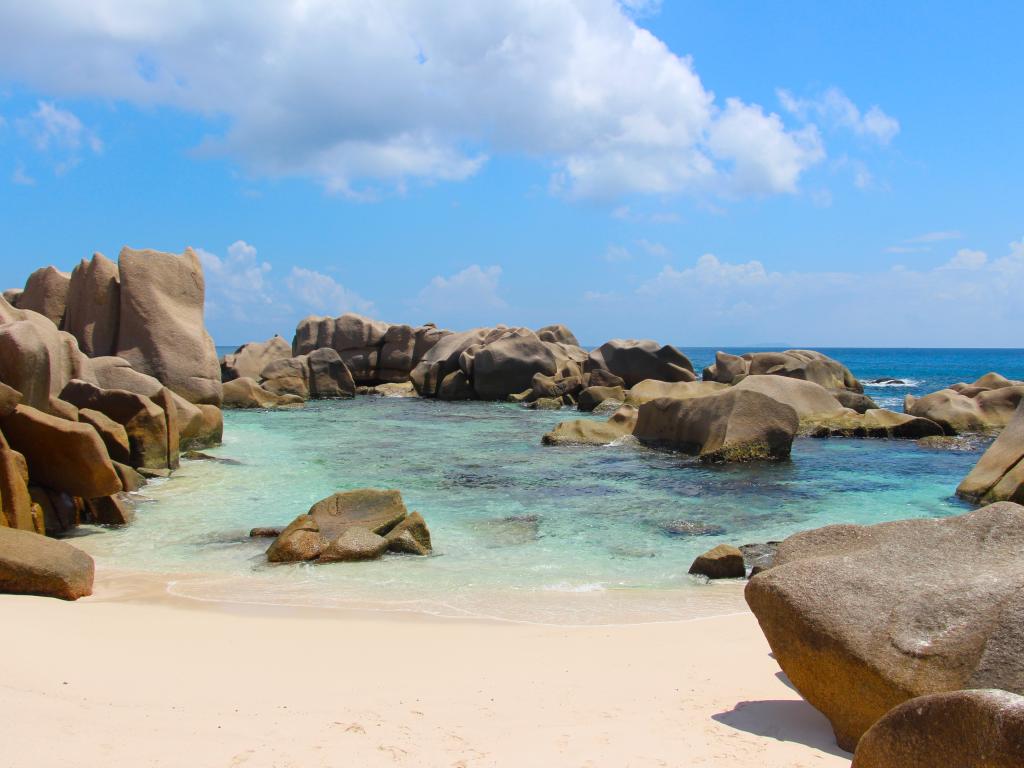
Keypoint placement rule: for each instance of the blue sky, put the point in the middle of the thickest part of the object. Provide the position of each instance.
(706, 173)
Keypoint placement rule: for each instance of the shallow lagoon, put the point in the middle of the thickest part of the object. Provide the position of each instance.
(521, 531)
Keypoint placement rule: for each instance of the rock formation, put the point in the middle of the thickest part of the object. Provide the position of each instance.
(31, 564)
(863, 618)
(804, 364)
(973, 729)
(46, 292)
(999, 473)
(247, 393)
(634, 361)
(984, 406)
(721, 562)
(94, 305)
(591, 432)
(249, 360)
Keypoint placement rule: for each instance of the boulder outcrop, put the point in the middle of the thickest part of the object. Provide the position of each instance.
(984, 406)
(161, 330)
(592, 432)
(652, 389)
(876, 422)
(249, 360)
(999, 473)
(803, 364)
(972, 729)
(31, 564)
(721, 562)
(635, 360)
(62, 455)
(46, 292)
(94, 305)
(733, 425)
(247, 393)
(810, 401)
(863, 618)
(17, 509)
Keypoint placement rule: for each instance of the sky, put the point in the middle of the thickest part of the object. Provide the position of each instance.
(708, 173)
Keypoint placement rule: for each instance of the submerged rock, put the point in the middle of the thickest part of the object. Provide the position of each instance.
(31, 564)
(896, 610)
(691, 528)
(972, 729)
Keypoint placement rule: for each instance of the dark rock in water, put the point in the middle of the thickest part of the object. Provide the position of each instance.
(759, 557)
(268, 532)
(722, 562)
(863, 618)
(691, 528)
(153, 473)
(632, 552)
(354, 544)
(973, 729)
(200, 456)
(301, 540)
(887, 381)
(411, 536)
(31, 564)
(546, 404)
(109, 510)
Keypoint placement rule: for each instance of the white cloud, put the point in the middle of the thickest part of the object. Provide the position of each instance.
(969, 301)
(472, 290)
(835, 109)
(967, 259)
(236, 285)
(21, 177)
(52, 128)
(367, 97)
(654, 249)
(321, 294)
(615, 254)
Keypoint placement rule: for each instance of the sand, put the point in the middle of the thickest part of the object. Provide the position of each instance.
(133, 677)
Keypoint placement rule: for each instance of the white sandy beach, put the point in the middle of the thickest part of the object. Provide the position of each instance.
(132, 677)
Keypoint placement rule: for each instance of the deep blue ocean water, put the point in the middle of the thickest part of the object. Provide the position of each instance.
(523, 531)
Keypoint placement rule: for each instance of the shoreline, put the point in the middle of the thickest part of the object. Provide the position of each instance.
(172, 680)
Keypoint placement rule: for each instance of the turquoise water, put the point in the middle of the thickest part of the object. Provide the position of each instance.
(522, 531)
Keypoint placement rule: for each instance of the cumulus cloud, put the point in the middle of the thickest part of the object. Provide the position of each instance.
(236, 283)
(969, 300)
(468, 292)
(59, 135)
(834, 108)
(21, 177)
(321, 294)
(366, 97)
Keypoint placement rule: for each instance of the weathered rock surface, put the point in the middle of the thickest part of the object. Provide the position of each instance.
(31, 564)
(634, 361)
(301, 540)
(863, 618)
(508, 364)
(15, 501)
(354, 544)
(986, 405)
(591, 397)
(46, 292)
(557, 333)
(999, 473)
(652, 389)
(329, 377)
(960, 729)
(109, 510)
(63, 455)
(591, 432)
(161, 330)
(721, 562)
(113, 434)
(288, 376)
(94, 305)
(411, 536)
(877, 422)
(733, 425)
(810, 401)
(855, 401)
(375, 510)
(247, 393)
(804, 364)
(249, 360)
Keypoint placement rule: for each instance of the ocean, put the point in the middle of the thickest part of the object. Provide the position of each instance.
(525, 532)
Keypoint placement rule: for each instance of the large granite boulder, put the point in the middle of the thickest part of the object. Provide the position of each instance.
(352, 525)
(114, 435)
(863, 618)
(733, 425)
(46, 292)
(11, 296)
(16, 506)
(63, 455)
(722, 562)
(876, 422)
(247, 393)
(999, 473)
(592, 432)
(161, 331)
(31, 564)
(986, 405)
(288, 376)
(146, 424)
(803, 364)
(94, 305)
(960, 729)
(508, 365)
(810, 401)
(249, 360)
(633, 361)
(591, 397)
(328, 376)
(443, 359)
(653, 389)
(35, 358)
(558, 334)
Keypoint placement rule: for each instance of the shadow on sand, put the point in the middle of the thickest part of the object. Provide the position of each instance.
(793, 721)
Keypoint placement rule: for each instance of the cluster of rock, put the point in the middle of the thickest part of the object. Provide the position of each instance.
(745, 408)
(863, 619)
(986, 405)
(352, 526)
(999, 473)
(106, 375)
